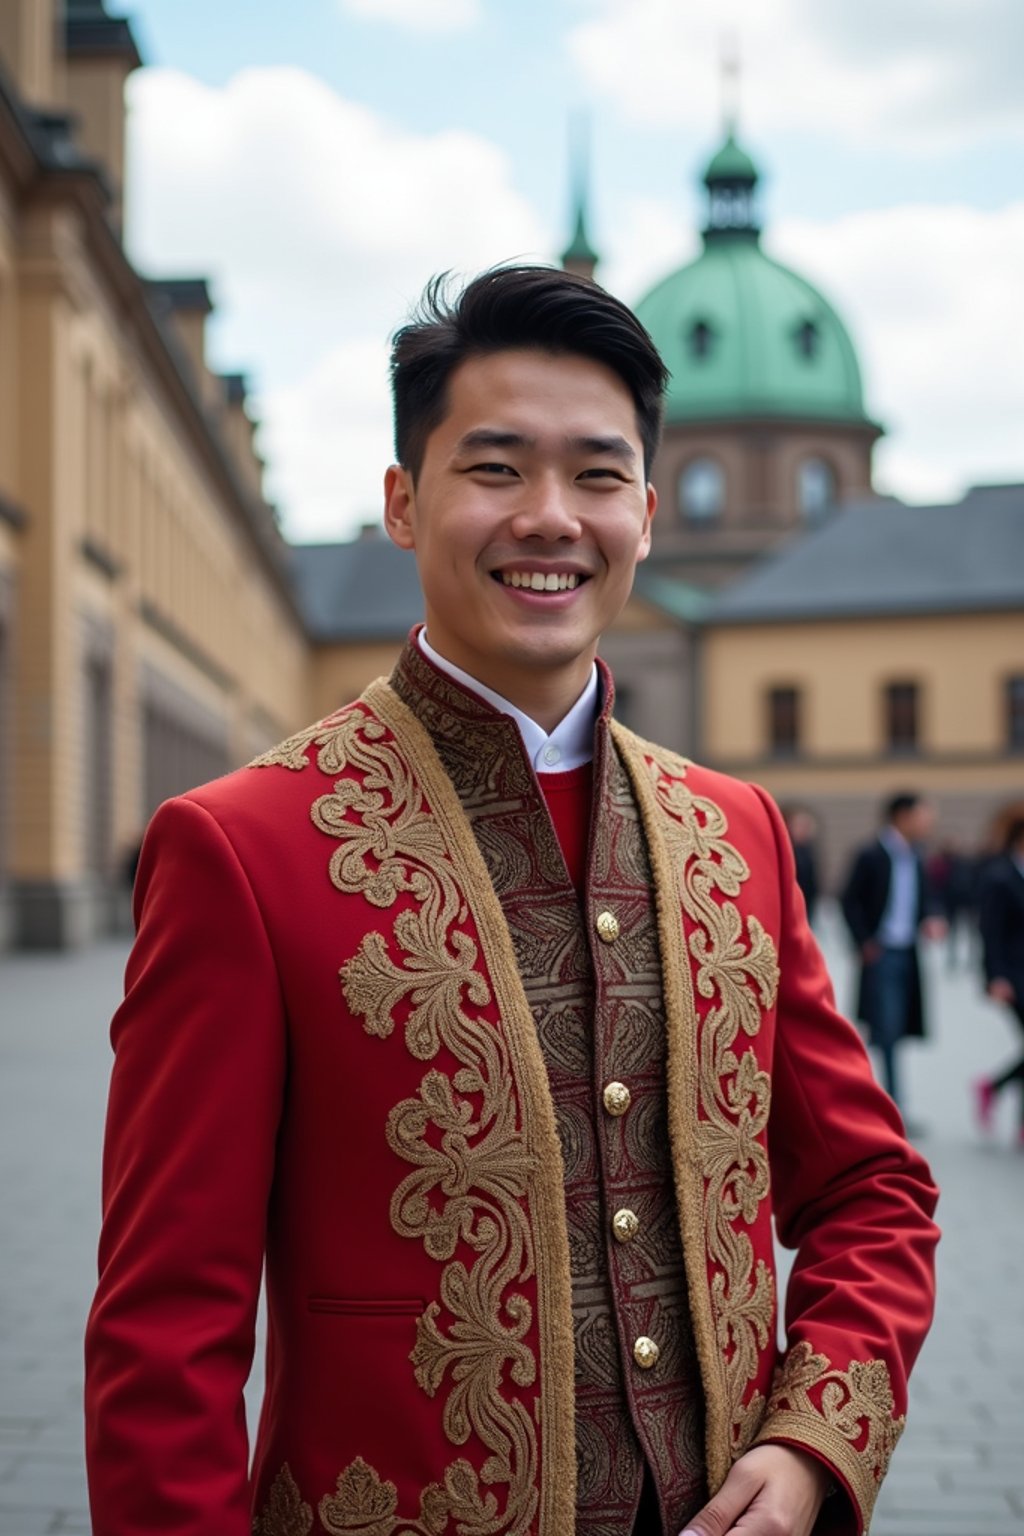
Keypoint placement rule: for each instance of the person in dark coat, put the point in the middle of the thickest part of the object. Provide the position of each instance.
(802, 826)
(886, 903)
(1001, 920)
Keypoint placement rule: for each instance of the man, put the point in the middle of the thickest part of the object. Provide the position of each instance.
(886, 904)
(489, 1025)
(1001, 921)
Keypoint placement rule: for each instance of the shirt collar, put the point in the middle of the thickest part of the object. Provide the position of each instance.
(568, 746)
(896, 843)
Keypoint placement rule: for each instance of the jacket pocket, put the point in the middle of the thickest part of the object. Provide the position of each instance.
(378, 1306)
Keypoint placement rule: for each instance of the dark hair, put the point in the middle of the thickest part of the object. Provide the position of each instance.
(1014, 833)
(516, 308)
(901, 803)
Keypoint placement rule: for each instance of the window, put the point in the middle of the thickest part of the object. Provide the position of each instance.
(808, 340)
(702, 490)
(784, 721)
(701, 338)
(901, 717)
(816, 489)
(1015, 713)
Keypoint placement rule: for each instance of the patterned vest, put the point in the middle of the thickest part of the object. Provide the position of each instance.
(593, 982)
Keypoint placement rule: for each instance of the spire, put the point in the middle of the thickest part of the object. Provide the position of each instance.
(731, 177)
(579, 255)
(729, 68)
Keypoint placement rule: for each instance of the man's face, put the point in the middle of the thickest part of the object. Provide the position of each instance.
(528, 517)
(918, 822)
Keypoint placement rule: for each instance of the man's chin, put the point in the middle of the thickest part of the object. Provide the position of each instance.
(545, 652)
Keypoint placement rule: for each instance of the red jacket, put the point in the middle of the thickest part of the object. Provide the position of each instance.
(325, 1056)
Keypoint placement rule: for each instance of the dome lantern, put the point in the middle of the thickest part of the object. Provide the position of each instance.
(731, 179)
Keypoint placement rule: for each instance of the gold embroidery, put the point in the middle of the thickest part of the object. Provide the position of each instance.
(719, 1090)
(363, 1502)
(285, 1513)
(291, 753)
(850, 1416)
(477, 1152)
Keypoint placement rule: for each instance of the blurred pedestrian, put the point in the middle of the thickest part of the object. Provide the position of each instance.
(802, 825)
(952, 875)
(1001, 919)
(886, 903)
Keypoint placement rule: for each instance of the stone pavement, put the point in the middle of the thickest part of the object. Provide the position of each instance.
(959, 1470)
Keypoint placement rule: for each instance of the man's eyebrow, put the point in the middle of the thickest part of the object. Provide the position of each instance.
(493, 437)
(614, 447)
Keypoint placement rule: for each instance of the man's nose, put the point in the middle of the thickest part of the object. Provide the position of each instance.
(547, 511)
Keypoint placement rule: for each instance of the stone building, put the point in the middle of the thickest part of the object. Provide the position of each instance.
(883, 651)
(140, 567)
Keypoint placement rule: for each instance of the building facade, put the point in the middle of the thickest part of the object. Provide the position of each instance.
(884, 652)
(140, 567)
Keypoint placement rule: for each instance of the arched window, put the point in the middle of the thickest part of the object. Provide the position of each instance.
(701, 339)
(816, 489)
(808, 340)
(702, 490)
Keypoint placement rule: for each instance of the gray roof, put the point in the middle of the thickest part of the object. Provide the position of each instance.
(882, 557)
(366, 590)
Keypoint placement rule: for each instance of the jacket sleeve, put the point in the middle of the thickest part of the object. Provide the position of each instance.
(189, 1155)
(855, 1200)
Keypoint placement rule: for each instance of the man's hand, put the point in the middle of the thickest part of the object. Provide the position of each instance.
(771, 1491)
(1001, 989)
(934, 928)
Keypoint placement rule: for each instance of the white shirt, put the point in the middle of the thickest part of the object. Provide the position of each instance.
(898, 928)
(570, 744)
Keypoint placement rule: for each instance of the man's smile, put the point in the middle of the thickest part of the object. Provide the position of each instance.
(540, 581)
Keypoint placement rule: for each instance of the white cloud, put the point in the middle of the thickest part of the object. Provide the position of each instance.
(319, 222)
(418, 15)
(658, 239)
(328, 440)
(933, 72)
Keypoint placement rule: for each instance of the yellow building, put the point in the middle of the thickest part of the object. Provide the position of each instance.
(140, 567)
(883, 651)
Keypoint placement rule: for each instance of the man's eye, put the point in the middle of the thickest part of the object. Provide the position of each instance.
(602, 472)
(492, 469)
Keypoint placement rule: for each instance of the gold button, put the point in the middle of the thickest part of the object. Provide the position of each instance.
(607, 925)
(617, 1098)
(625, 1225)
(645, 1352)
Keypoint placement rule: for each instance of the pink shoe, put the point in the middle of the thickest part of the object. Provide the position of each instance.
(984, 1103)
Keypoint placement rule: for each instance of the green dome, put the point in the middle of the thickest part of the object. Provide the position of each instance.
(730, 164)
(741, 334)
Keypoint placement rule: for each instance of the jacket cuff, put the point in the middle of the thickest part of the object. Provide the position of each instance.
(845, 1418)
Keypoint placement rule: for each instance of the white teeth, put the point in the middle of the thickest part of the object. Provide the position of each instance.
(536, 581)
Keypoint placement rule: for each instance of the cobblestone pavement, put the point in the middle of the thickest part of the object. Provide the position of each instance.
(959, 1470)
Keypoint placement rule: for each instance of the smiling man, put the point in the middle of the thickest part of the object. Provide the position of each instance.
(500, 1036)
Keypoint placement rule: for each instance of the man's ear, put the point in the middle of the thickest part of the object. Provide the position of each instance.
(400, 507)
(652, 507)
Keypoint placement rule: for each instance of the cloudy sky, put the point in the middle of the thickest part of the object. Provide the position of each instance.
(320, 159)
